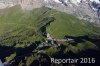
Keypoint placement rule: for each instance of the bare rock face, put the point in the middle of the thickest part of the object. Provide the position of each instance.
(85, 9)
(25, 4)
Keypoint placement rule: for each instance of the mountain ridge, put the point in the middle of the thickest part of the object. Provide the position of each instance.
(24, 36)
(84, 9)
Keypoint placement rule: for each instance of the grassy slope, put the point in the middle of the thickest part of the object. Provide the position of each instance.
(19, 27)
(25, 24)
(66, 24)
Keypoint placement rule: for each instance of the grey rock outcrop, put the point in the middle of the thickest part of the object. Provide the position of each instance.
(85, 9)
